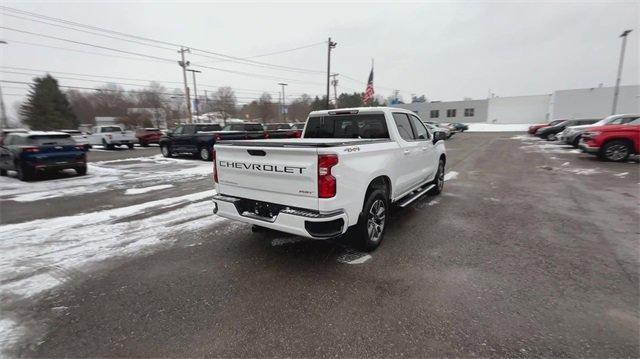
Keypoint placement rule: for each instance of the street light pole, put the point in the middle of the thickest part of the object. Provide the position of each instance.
(3, 119)
(184, 65)
(330, 45)
(196, 104)
(617, 88)
(283, 110)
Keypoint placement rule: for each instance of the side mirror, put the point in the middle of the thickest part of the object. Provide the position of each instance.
(439, 136)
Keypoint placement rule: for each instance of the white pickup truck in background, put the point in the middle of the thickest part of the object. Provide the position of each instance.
(111, 136)
(343, 174)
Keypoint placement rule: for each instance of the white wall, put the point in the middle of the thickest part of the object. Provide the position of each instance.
(520, 109)
(424, 109)
(595, 102)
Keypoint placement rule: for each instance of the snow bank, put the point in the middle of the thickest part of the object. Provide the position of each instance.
(132, 191)
(495, 127)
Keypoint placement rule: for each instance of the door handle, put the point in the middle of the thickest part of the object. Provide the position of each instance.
(406, 152)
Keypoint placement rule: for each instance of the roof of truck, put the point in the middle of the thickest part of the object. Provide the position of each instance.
(360, 110)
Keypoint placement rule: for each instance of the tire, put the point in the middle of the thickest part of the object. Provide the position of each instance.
(81, 171)
(130, 145)
(369, 231)
(3, 172)
(87, 148)
(205, 153)
(24, 174)
(166, 150)
(439, 180)
(144, 143)
(576, 142)
(616, 151)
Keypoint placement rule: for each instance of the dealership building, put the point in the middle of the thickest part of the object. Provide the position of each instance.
(578, 103)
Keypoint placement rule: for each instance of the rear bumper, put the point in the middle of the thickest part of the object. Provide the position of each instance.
(303, 223)
(56, 166)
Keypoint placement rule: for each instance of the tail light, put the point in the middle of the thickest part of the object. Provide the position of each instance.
(266, 135)
(215, 166)
(297, 134)
(326, 182)
(30, 149)
(216, 137)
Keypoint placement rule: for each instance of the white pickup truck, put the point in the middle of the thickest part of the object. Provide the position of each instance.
(343, 174)
(110, 136)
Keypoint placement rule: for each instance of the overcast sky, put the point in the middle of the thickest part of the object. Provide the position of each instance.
(445, 50)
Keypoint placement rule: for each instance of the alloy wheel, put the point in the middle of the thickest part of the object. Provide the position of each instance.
(376, 220)
(616, 152)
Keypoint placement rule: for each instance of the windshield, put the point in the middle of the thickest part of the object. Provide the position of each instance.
(208, 128)
(253, 127)
(111, 129)
(347, 126)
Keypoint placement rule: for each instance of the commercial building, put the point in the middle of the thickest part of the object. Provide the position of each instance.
(578, 103)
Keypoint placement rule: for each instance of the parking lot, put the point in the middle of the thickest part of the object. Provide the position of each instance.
(532, 250)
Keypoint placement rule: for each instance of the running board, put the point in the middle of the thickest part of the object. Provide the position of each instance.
(416, 194)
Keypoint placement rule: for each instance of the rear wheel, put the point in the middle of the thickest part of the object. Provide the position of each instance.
(130, 145)
(369, 231)
(205, 153)
(616, 151)
(81, 171)
(166, 150)
(24, 174)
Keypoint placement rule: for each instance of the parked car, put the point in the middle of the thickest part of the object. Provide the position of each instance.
(148, 135)
(613, 142)
(111, 136)
(281, 130)
(199, 139)
(5, 131)
(345, 172)
(572, 134)
(460, 127)
(79, 137)
(550, 133)
(436, 127)
(34, 152)
(277, 126)
(533, 129)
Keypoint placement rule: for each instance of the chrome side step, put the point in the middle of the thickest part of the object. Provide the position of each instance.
(414, 195)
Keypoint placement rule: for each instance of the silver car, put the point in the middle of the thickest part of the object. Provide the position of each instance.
(572, 134)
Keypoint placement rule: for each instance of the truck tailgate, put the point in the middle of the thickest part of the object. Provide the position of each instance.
(283, 175)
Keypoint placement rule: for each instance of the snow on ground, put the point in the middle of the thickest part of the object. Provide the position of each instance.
(107, 175)
(133, 191)
(495, 127)
(41, 254)
(450, 175)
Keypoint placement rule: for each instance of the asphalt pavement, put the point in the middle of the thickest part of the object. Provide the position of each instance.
(532, 250)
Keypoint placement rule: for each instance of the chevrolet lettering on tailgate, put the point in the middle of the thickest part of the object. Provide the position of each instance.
(262, 168)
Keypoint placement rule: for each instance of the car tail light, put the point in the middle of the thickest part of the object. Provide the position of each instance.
(266, 135)
(215, 166)
(30, 149)
(297, 134)
(216, 137)
(326, 182)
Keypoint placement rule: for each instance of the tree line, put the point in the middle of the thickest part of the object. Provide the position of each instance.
(47, 107)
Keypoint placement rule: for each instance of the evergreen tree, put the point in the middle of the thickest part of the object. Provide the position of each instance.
(46, 107)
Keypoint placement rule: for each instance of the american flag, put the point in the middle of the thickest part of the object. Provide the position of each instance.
(368, 93)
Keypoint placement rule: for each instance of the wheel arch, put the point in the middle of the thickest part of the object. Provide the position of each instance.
(619, 138)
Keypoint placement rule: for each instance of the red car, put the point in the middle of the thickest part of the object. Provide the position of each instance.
(148, 135)
(532, 129)
(612, 142)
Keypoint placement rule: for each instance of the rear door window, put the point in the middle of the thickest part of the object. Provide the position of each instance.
(404, 126)
(421, 132)
(347, 126)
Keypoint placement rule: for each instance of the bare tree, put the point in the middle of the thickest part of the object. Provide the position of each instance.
(224, 100)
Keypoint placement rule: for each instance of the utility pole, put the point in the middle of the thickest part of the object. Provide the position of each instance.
(184, 65)
(334, 82)
(330, 45)
(283, 110)
(617, 89)
(196, 104)
(3, 111)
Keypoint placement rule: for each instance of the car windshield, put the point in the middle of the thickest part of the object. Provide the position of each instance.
(50, 140)
(347, 126)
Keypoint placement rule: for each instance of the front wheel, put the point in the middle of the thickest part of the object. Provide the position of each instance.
(369, 231)
(130, 145)
(438, 182)
(166, 150)
(616, 151)
(576, 142)
(205, 153)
